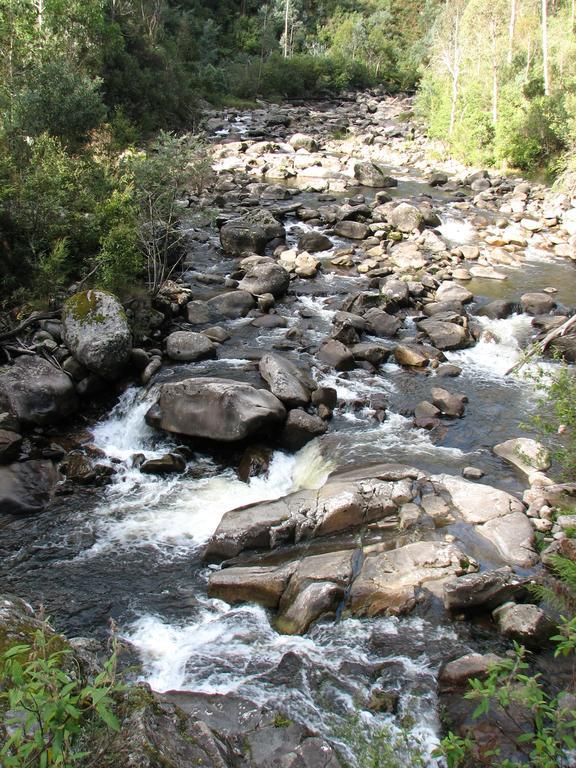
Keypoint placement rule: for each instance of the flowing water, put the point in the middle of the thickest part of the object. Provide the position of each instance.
(132, 551)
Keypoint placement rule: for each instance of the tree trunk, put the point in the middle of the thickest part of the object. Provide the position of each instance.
(286, 16)
(545, 47)
(512, 29)
(40, 6)
(456, 55)
(573, 17)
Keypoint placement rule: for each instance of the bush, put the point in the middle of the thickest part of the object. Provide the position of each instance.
(50, 702)
(58, 99)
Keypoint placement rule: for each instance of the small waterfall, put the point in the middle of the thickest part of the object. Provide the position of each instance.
(457, 231)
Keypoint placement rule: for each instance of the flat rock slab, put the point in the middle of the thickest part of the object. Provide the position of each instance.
(389, 582)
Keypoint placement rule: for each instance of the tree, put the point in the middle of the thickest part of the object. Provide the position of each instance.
(545, 61)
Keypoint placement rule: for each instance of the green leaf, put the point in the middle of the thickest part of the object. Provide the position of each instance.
(108, 717)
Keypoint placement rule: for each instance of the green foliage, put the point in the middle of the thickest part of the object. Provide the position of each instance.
(555, 413)
(509, 685)
(59, 99)
(486, 100)
(385, 747)
(120, 258)
(49, 702)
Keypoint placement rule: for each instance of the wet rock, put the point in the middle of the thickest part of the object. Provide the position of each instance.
(198, 312)
(254, 463)
(27, 487)
(265, 278)
(375, 354)
(337, 355)
(450, 291)
(484, 591)
(96, 331)
(426, 415)
(450, 404)
(526, 454)
(231, 305)
(344, 502)
(262, 585)
(249, 234)
(373, 175)
(448, 371)
(406, 218)
(390, 582)
(353, 230)
(473, 473)
(537, 303)
(412, 355)
(527, 624)
(395, 293)
(216, 409)
(165, 465)
(186, 346)
(256, 737)
(36, 392)
(300, 428)
(79, 469)
(290, 383)
(326, 396)
(313, 242)
(499, 309)
(316, 588)
(456, 674)
(10, 444)
(382, 324)
(444, 335)
(438, 179)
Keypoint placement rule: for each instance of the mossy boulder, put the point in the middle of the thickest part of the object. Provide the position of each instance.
(96, 331)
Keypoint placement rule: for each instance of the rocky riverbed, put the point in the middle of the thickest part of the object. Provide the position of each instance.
(313, 494)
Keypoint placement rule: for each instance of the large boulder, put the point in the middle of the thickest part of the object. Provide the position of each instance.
(406, 218)
(216, 409)
(290, 383)
(527, 624)
(372, 175)
(344, 503)
(229, 306)
(300, 428)
(354, 230)
(265, 278)
(444, 335)
(250, 233)
(313, 242)
(390, 582)
(484, 591)
(95, 329)
(187, 346)
(37, 392)
(27, 487)
(524, 453)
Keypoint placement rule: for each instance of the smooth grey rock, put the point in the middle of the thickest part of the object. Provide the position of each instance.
(216, 409)
(265, 278)
(36, 392)
(300, 428)
(370, 174)
(406, 218)
(290, 383)
(187, 346)
(27, 487)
